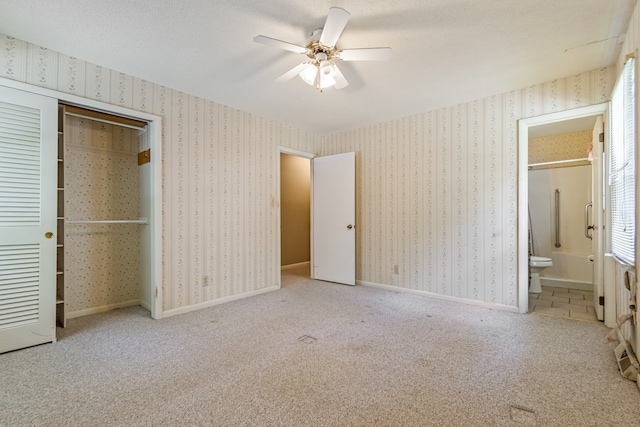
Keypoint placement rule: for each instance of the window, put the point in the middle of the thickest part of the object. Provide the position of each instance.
(622, 166)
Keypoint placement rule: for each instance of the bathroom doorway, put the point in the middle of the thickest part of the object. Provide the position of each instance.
(561, 203)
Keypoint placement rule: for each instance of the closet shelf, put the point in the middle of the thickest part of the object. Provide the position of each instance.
(143, 221)
(559, 162)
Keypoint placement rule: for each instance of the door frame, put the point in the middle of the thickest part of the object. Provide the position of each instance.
(155, 130)
(523, 186)
(306, 155)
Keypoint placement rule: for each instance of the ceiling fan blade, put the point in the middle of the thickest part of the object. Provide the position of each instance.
(293, 72)
(341, 82)
(268, 41)
(366, 54)
(333, 26)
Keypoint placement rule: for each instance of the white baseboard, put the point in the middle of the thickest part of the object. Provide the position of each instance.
(207, 304)
(484, 304)
(102, 308)
(299, 264)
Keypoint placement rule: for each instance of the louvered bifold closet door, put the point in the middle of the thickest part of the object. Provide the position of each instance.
(28, 187)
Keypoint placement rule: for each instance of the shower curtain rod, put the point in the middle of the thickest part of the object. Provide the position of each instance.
(558, 162)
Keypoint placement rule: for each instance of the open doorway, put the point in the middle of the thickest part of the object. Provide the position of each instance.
(295, 215)
(562, 177)
(573, 244)
(331, 217)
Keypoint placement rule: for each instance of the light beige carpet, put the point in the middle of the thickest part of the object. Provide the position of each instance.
(320, 354)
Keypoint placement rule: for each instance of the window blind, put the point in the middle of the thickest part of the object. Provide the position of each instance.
(622, 165)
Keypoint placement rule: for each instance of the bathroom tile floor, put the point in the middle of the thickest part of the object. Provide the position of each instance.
(571, 303)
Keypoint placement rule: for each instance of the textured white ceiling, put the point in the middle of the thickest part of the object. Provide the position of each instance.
(445, 52)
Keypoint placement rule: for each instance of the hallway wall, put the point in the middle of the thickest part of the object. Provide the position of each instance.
(436, 191)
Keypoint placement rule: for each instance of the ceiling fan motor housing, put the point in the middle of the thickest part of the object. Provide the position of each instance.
(315, 47)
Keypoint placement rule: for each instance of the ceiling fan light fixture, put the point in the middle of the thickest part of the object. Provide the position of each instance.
(327, 69)
(309, 73)
(326, 82)
(327, 74)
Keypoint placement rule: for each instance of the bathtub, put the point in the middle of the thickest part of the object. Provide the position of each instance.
(570, 270)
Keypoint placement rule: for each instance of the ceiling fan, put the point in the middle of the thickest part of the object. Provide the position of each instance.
(321, 70)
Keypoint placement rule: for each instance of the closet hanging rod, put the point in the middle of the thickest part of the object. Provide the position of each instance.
(143, 221)
(99, 116)
(558, 162)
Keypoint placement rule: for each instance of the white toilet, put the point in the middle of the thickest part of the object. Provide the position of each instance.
(537, 264)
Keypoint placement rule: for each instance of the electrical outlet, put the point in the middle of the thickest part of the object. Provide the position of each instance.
(395, 269)
(205, 281)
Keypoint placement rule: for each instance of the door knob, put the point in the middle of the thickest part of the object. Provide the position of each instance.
(48, 234)
(349, 226)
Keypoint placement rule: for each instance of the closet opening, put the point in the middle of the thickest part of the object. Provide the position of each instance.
(105, 212)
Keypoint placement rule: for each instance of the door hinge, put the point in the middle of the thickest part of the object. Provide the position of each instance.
(601, 137)
(601, 300)
(156, 292)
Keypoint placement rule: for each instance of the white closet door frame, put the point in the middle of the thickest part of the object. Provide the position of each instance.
(155, 129)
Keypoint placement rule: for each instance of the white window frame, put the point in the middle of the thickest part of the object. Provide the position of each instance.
(622, 167)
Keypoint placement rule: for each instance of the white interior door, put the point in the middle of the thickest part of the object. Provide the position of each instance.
(333, 217)
(597, 233)
(28, 200)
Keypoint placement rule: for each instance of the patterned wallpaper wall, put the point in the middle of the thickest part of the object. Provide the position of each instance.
(102, 261)
(218, 173)
(566, 146)
(437, 192)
